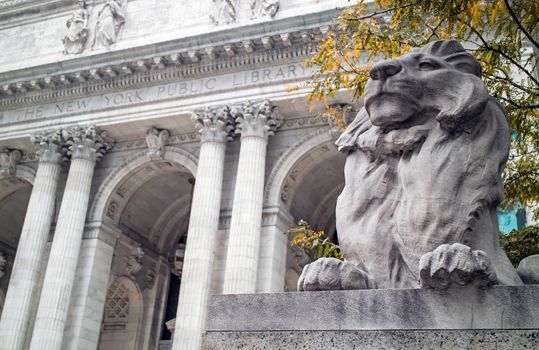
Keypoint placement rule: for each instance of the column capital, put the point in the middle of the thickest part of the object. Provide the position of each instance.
(214, 124)
(87, 142)
(258, 119)
(9, 158)
(49, 145)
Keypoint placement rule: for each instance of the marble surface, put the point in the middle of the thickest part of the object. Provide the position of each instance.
(499, 307)
(344, 340)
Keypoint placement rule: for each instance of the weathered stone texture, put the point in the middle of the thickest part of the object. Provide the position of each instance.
(356, 340)
(515, 307)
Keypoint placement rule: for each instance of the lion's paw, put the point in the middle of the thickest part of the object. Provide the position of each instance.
(455, 264)
(333, 274)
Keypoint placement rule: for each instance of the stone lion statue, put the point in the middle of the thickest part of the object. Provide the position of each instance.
(422, 179)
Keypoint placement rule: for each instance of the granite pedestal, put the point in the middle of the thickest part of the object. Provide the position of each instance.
(500, 317)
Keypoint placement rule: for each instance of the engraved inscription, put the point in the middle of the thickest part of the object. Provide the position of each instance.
(155, 93)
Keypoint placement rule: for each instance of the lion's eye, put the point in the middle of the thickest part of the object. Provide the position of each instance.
(426, 65)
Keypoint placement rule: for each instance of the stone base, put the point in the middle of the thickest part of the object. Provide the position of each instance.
(357, 340)
(501, 317)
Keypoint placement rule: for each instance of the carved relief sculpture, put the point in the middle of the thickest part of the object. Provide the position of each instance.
(422, 179)
(8, 162)
(110, 22)
(133, 263)
(77, 30)
(264, 8)
(224, 11)
(156, 140)
(3, 262)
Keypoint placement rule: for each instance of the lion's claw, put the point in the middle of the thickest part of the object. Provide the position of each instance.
(333, 274)
(458, 264)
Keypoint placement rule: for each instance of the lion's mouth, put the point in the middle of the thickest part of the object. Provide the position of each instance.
(389, 109)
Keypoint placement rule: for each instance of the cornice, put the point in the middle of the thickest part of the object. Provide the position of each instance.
(155, 70)
(16, 7)
(83, 76)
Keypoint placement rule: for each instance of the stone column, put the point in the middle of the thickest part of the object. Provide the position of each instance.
(91, 285)
(85, 146)
(256, 123)
(215, 127)
(25, 277)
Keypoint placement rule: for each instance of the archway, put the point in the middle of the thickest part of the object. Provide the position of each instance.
(306, 182)
(14, 197)
(148, 201)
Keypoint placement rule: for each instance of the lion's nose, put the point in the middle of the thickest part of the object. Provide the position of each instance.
(385, 69)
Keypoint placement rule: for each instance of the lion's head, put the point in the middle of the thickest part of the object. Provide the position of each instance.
(439, 82)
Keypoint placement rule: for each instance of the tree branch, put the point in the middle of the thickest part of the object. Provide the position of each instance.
(519, 25)
(511, 82)
(509, 58)
(377, 13)
(513, 103)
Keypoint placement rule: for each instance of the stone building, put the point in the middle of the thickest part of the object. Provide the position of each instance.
(153, 153)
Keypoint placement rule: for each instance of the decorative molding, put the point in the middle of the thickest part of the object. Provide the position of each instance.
(77, 30)
(112, 209)
(103, 232)
(301, 123)
(63, 85)
(50, 145)
(157, 140)
(16, 3)
(256, 119)
(9, 158)
(214, 124)
(87, 142)
(193, 137)
(141, 143)
(284, 193)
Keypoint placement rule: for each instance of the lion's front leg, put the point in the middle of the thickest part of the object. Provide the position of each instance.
(455, 264)
(333, 274)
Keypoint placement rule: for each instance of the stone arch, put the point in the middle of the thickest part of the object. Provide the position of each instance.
(24, 176)
(286, 162)
(304, 183)
(15, 194)
(122, 316)
(173, 154)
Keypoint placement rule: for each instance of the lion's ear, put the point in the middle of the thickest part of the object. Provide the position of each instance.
(464, 62)
(347, 142)
(464, 108)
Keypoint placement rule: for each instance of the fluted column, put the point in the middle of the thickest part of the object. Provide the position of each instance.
(215, 127)
(85, 146)
(256, 123)
(23, 286)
